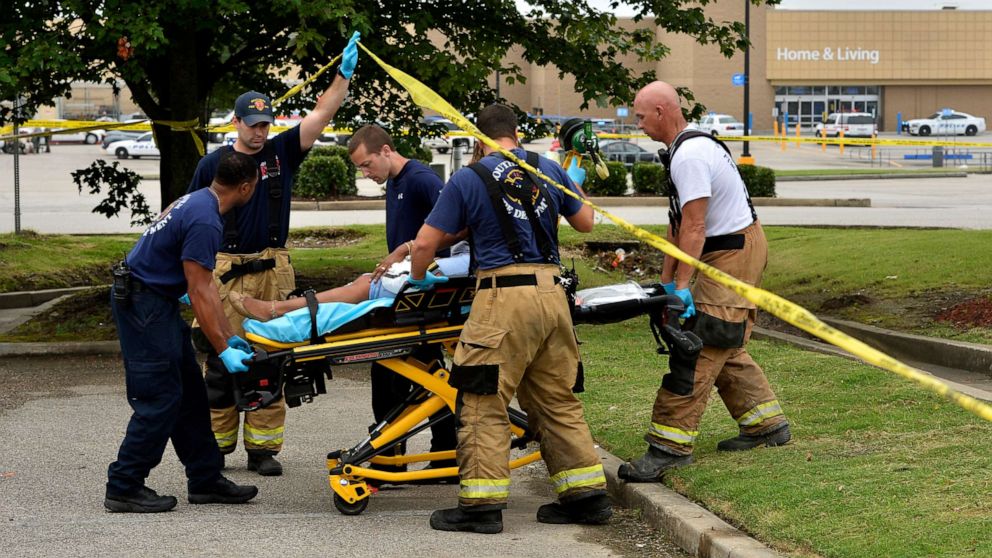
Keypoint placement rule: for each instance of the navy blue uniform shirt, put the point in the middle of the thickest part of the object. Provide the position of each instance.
(253, 217)
(189, 229)
(465, 202)
(410, 197)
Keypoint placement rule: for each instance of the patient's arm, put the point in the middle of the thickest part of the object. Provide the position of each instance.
(263, 310)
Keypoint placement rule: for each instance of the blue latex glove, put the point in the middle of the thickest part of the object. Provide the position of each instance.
(233, 359)
(429, 280)
(349, 58)
(239, 343)
(690, 307)
(575, 172)
(669, 287)
(185, 300)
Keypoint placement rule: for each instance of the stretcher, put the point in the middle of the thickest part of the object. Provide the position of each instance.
(388, 331)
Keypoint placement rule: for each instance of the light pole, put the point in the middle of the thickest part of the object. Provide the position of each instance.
(746, 158)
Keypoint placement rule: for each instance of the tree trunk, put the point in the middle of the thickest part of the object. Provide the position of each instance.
(182, 101)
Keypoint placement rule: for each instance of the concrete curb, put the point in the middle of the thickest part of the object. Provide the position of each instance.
(905, 346)
(816, 178)
(14, 350)
(25, 299)
(617, 201)
(698, 531)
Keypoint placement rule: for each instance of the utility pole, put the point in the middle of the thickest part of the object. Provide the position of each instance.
(746, 158)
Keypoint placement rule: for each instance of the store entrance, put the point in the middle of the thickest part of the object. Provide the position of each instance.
(808, 105)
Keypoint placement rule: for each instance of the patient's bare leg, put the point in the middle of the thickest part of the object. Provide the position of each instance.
(263, 310)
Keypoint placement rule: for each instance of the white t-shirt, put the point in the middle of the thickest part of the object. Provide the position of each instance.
(703, 169)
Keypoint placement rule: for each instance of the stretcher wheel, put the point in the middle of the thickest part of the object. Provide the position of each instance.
(348, 508)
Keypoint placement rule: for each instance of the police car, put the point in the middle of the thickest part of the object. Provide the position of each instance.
(946, 123)
(143, 146)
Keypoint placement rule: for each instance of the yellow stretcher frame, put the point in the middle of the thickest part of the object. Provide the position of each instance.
(348, 475)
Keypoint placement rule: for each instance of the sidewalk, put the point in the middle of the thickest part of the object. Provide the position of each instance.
(695, 529)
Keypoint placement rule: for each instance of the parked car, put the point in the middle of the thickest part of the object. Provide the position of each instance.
(443, 144)
(219, 119)
(953, 123)
(853, 124)
(90, 137)
(721, 125)
(626, 152)
(143, 146)
(120, 135)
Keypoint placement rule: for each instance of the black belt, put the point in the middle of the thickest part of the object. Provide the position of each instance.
(254, 266)
(501, 281)
(139, 287)
(723, 242)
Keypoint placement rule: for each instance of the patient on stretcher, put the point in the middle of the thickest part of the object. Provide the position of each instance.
(359, 290)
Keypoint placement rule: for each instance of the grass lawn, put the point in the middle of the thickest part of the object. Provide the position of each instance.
(878, 466)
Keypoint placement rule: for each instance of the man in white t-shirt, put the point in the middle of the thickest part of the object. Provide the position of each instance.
(711, 218)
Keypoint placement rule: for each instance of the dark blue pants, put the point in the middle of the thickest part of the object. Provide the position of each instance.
(166, 391)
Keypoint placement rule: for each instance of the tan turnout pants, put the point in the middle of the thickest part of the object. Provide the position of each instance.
(739, 380)
(263, 429)
(519, 340)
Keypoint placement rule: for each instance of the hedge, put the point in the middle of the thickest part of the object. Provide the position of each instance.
(760, 181)
(614, 185)
(650, 178)
(327, 172)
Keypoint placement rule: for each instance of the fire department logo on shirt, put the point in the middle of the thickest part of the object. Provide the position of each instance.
(516, 180)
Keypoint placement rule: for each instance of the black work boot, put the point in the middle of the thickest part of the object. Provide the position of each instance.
(650, 466)
(144, 500)
(777, 437)
(593, 510)
(224, 492)
(464, 519)
(264, 463)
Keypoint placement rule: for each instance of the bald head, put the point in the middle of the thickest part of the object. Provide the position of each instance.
(658, 113)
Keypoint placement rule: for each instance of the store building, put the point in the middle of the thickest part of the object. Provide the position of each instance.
(805, 64)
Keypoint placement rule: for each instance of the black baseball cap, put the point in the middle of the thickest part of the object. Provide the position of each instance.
(254, 107)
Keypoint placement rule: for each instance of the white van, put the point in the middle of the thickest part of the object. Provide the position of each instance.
(853, 124)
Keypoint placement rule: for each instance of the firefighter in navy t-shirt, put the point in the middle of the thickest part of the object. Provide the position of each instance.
(518, 339)
(253, 259)
(412, 188)
(164, 386)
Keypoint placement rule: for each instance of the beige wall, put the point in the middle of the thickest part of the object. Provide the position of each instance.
(879, 48)
(918, 101)
(701, 68)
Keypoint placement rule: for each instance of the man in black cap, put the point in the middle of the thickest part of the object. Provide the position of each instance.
(253, 259)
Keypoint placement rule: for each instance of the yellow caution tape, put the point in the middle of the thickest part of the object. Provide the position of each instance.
(297, 88)
(772, 303)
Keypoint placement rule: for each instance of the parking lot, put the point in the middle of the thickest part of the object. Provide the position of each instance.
(47, 190)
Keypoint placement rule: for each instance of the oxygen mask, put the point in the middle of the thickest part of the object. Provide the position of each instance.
(577, 139)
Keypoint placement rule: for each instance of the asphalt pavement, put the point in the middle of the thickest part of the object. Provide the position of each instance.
(51, 203)
(62, 419)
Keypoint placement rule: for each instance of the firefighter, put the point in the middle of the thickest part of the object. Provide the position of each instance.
(712, 219)
(518, 338)
(164, 385)
(254, 260)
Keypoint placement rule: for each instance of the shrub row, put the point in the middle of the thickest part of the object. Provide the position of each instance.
(651, 179)
(327, 172)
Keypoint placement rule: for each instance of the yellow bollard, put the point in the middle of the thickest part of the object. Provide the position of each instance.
(874, 148)
(840, 134)
(782, 130)
(823, 144)
(797, 135)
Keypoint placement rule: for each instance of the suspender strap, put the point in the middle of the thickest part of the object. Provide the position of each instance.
(254, 266)
(674, 207)
(496, 192)
(311, 297)
(273, 171)
(499, 206)
(540, 234)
